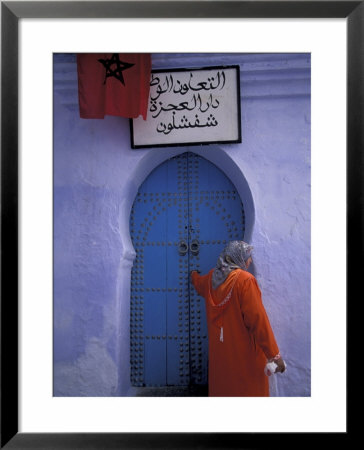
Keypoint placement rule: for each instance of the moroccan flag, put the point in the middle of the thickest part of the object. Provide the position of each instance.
(115, 84)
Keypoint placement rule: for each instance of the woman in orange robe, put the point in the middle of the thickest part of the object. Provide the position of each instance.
(241, 340)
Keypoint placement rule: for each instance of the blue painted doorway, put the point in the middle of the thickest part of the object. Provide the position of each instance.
(182, 217)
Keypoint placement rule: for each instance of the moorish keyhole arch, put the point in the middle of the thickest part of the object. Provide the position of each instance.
(184, 213)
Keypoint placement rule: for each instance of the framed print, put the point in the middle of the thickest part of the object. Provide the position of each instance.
(38, 187)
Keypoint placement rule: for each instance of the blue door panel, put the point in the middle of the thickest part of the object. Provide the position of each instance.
(155, 362)
(184, 214)
(155, 268)
(178, 362)
(155, 318)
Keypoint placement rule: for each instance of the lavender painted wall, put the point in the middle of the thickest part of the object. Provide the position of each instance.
(96, 177)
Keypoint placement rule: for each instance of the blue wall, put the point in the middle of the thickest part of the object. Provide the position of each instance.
(96, 178)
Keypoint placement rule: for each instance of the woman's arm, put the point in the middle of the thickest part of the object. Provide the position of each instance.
(256, 318)
(199, 282)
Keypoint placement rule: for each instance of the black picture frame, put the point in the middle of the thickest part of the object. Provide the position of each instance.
(11, 12)
(186, 144)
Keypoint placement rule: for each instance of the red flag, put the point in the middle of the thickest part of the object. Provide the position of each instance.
(115, 84)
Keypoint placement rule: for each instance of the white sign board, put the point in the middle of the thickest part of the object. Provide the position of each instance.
(190, 107)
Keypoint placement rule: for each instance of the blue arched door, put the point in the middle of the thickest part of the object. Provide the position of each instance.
(183, 215)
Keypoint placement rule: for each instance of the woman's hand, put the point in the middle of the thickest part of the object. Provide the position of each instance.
(281, 366)
(197, 271)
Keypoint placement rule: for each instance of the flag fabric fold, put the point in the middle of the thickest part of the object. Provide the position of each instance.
(115, 84)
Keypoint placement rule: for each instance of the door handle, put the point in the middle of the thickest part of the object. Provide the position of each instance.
(195, 247)
(182, 247)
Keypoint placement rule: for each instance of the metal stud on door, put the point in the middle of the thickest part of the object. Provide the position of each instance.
(184, 213)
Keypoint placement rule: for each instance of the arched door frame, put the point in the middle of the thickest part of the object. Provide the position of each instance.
(152, 159)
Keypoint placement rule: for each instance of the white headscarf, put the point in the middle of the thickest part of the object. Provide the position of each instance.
(232, 257)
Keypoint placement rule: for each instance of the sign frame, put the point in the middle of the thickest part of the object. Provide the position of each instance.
(238, 140)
